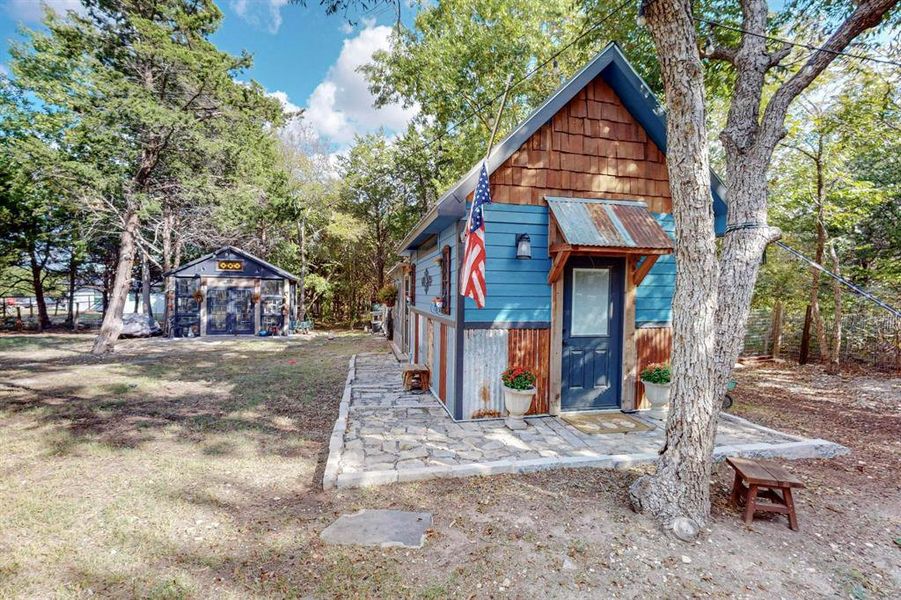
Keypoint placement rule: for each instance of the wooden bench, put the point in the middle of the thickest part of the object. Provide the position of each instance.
(417, 377)
(755, 479)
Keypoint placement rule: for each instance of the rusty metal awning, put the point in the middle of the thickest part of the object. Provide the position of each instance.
(615, 224)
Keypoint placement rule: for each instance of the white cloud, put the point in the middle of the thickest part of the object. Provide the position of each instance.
(262, 14)
(341, 105)
(32, 11)
(346, 28)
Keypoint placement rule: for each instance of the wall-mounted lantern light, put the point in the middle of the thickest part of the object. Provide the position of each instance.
(523, 246)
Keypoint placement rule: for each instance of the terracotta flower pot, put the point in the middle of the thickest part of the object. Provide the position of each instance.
(517, 403)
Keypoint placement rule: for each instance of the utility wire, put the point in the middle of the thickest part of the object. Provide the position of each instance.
(810, 47)
(857, 290)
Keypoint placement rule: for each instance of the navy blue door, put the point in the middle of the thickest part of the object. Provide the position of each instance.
(592, 333)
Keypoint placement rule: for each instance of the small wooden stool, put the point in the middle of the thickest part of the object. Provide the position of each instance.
(416, 377)
(758, 478)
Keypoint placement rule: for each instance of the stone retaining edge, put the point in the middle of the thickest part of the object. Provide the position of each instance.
(758, 427)
(336, 441)
(808, 448)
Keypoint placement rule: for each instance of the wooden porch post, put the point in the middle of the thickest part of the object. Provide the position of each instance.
(630, 356)
(555, 375)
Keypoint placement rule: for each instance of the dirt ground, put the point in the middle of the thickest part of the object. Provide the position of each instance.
(192, 469)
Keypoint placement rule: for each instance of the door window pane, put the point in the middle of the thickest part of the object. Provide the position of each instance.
(590, 302)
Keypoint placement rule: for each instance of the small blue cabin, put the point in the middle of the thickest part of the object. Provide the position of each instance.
(579, 270)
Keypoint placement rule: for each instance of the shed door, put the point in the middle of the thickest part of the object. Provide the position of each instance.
(592, 333)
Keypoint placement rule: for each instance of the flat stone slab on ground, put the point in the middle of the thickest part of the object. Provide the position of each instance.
(383, 528)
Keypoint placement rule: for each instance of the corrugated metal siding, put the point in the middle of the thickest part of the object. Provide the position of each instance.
(603, 223)
(654, 297)
(531, 348)
(653, 345)
(484, 359)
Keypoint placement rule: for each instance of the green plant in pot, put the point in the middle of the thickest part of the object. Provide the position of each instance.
(519, 388)
(387, 295)
(657, 379)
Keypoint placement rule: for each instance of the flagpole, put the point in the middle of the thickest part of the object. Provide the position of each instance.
(500, 111)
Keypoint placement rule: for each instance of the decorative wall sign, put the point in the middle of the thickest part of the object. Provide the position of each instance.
(426, 281)
(229, 265)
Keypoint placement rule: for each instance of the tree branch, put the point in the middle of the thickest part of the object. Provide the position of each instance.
(867, 14)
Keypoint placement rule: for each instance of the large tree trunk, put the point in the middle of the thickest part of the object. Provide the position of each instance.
(703, 353)
(37, 283)
(815, 315)
(681, 485)
(834, 365)
(168, 292)
(70, 297)
(145, 285)
(112, 319)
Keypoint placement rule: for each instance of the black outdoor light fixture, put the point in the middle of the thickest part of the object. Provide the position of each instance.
(523, 246)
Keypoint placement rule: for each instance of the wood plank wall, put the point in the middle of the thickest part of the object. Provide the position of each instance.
(593, 147)
(531, 348)
(654, 345)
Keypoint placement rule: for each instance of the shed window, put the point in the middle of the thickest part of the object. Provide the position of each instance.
(185, 288)
(412, 284)
(271, 302)
(446, 280)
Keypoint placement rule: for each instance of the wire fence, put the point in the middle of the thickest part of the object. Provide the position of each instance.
(870, 338)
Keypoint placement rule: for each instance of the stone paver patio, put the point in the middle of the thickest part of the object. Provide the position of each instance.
(384, 435)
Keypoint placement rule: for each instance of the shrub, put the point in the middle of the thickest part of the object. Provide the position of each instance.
(387, 295)
(518, 378)
(657, 373)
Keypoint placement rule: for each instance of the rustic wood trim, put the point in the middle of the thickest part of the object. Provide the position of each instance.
(508, 325)
(558, 265)
(639, 274)
(606, 251)
(630, 353)
(434, 317)
(555, 374)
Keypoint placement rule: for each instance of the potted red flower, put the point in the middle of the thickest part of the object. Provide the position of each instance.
(519, 387)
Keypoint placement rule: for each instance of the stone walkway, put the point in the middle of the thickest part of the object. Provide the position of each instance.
(384, 435)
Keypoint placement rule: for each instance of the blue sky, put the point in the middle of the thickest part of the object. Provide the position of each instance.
(306, 58)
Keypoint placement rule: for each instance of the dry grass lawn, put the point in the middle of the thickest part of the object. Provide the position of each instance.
(191, 469)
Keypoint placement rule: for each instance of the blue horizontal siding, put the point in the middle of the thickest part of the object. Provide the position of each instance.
(654, 297)
(425, 261)
(517, 289)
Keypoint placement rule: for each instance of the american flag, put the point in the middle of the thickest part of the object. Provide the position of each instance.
(472, 276)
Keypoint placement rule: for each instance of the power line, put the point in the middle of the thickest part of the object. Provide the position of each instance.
(857, 290)
(810, 47)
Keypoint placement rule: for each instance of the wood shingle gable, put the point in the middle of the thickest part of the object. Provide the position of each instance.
(591, 148)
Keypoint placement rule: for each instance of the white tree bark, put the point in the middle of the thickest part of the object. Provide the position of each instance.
(712, 301)
(681, 485)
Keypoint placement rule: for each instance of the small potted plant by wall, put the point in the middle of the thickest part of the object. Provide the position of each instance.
(657, 379)
(387, 295)
(198, 295)
(519, 388)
